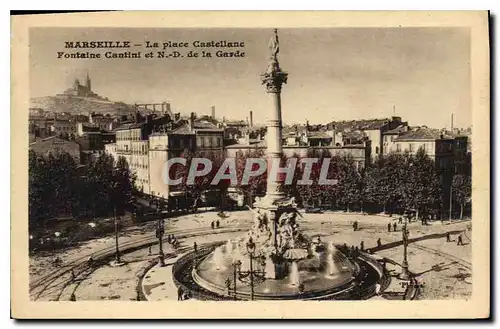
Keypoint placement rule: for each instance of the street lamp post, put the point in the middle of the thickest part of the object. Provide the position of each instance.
(251, 249)
(405, 273)
(451, 199)
(251, 273)
(118, 259)
(160, 230)
(237, 269)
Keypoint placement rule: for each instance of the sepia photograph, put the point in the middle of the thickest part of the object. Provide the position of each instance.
(264, 162)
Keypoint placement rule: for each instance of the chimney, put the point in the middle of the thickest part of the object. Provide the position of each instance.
(251, 119)
(213, 111)
(191, 121)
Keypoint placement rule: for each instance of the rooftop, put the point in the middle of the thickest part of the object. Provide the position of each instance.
(422, 133)
(369, 124)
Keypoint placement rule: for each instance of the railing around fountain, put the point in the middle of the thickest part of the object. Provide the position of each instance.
(186, 282)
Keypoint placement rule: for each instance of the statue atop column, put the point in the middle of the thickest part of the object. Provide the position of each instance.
(274, 77)
(274, 46)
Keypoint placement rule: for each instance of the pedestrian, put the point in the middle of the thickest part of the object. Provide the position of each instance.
(212, 225)
(378, 287)
(448, 238)
(72, 297)
(356, 252)
(395, 226)
(379, 243)
(362, 245)
(195, 246)
(217, 223)
(400, 220)
(90, 261)
(72, 275)
(388, 227)
(149, 250)
(460, 242)
(180, 293)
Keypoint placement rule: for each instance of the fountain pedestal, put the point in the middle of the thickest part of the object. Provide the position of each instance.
(275, 231)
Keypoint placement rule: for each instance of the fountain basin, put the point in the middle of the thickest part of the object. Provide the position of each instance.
(195, 272)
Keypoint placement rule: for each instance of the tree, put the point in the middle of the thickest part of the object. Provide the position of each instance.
(462, 190)
(350, 183)
(384, 182)
(315, 194)
(37, 187)
(53, 186)
(422, 189)
(256, 185)
(98, 185)
(122, 185)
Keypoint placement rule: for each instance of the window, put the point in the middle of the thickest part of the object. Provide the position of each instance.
(411, 147)
(398, 147)
(376, 150)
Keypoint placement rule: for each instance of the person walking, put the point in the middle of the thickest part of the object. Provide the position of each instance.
(149, 250)
(448, 238)
(400, 220)
(395, 226)
(180, 293)
(212, 225)
(362, 245)
(90, 261)
(195, 246)
(379, 243)
(217, 224)
(73, 275)
(378, 287)
(388, 227)
(460, 242)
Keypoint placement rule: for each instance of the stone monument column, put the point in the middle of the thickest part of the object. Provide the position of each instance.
(273, 79)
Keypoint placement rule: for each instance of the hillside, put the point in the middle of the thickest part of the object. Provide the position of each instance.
(80, 105)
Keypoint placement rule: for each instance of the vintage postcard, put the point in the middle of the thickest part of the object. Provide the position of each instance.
(251, 165)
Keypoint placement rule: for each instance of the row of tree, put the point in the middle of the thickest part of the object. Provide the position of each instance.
(394, 183)
(58, 186)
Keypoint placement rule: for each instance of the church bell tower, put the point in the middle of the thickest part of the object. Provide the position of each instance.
(88, 83)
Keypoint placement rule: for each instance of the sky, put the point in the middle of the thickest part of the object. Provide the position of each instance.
(420, 74)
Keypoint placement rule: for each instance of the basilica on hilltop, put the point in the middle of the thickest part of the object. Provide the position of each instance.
(80, 90)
